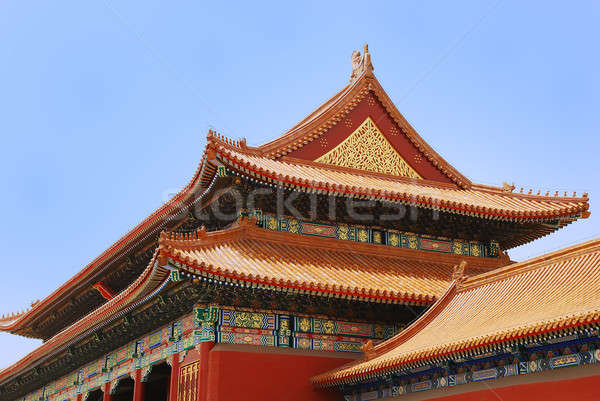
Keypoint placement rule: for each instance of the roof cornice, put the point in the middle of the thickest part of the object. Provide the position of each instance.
(153, 278)
(202, 179)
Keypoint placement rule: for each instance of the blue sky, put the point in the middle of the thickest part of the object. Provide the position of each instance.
(105, 105)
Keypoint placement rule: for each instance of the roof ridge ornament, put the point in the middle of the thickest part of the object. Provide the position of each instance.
(506, 187)
(458, 274)
(360, 63)
(368, 349)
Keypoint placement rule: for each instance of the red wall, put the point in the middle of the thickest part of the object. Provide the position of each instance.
(282, 376)
(581, 389)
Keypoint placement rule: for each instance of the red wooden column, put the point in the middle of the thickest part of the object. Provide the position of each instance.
(206, 319)
(174, 381)
(203, 349)
(139, 388)
(107, 395)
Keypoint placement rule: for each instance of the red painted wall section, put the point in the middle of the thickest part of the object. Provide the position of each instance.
(265, 375)
(581, 389)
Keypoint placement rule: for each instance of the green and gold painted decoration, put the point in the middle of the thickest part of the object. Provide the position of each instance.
(377, 236)
(307, 324)
(221, 324)
(205, 319)
(222, 172)
(332, 335)
(175, 275)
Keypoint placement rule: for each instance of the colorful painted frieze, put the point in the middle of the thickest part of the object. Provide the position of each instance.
(370, 235)
(222, 325)
(318, 342)
(306, 324)
(247, 339)
(254, 320)
(513, 369)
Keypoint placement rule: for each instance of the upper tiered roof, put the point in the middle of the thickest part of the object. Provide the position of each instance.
(515, 304)
(478, 200)
(358, 144)
(337, 119)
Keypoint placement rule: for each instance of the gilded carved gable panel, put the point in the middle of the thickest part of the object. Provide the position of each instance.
(368, 149)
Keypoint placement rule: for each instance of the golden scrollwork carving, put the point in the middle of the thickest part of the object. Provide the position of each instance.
(368, 149)
(188, 377)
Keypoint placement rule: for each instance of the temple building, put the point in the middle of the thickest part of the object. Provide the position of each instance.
(344, 260)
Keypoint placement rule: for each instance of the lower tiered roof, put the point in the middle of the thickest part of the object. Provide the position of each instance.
(150, 282)
(250, 256)
(254, 256)
(544, 296)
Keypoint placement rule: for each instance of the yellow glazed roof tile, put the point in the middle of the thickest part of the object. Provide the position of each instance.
(330, 267)
(489, 202)
(545, 294)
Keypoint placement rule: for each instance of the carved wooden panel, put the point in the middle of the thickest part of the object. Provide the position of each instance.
(368, 149)
(188, 382)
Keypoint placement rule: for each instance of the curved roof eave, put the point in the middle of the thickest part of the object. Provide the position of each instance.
(580, 260)
(201, 179)
(148, 284)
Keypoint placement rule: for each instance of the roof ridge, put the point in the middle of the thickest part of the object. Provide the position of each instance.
(411, 133)
(316, 111)
(219, 140)
(294, 134)
(510, 190)
(216, 138)
(203, 237)
(337, 107)
(363, 68)
(7, 317)
(420, 323)
(534, 263)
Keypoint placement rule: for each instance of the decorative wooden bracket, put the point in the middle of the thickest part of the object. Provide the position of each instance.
(104, 290)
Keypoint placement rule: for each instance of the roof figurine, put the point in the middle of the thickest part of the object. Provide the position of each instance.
(506, 187)
(367, 348)
(458, 274)
(360, 63)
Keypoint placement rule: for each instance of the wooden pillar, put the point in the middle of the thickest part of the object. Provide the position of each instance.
(206, 319)
(107, 395)
(203, 348)
(139, 387)
(174, 381)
